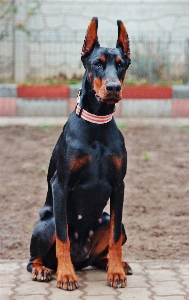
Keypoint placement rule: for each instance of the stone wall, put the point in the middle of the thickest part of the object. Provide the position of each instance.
(162, 15)
(58, 29)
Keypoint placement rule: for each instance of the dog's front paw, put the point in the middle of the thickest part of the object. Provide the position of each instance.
(40, 273)
(66, 279)
(117, 277)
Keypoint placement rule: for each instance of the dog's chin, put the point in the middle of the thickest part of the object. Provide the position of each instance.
(98, 98)
(107, 100)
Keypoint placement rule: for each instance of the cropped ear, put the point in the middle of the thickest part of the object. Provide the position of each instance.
(91, 38)
(123, 39)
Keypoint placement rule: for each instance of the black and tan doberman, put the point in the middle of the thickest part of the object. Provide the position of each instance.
(87, 168)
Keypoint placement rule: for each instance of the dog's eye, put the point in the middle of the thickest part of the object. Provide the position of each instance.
(98, 64)
(120, 65)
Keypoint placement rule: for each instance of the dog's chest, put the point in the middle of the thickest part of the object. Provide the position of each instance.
(96, 170)
(96, 162)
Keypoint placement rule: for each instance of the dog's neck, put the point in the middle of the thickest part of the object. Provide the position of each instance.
(90, 102)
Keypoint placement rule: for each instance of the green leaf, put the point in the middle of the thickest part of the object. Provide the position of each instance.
(146, 155)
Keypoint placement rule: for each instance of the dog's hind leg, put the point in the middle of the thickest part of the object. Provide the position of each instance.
(42, 255)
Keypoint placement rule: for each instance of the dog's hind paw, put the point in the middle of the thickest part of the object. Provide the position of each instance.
(127, 268)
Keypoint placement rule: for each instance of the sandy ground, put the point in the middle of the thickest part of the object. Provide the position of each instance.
(156, 206)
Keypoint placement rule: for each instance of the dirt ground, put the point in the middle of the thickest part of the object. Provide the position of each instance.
(156, 206)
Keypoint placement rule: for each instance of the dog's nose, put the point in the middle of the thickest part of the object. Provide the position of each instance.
(113, 88)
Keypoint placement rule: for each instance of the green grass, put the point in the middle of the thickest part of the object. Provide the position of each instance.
(146, 155)
(45, 127)
(122, 126)
(43, 169)
(10, 189)
(29, 228)
(56, 80)
(130, 80)
(183, 128)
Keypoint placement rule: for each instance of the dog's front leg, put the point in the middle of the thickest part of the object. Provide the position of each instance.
(66, 278)
(116, 273)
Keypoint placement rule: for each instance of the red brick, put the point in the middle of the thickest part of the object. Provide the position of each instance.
(71, 105)
(180, 108)
(147, 92)
(48, 92)
(117, 112)
(8, 107)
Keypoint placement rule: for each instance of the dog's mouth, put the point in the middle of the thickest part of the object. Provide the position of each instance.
(98, 98)
(108, 100)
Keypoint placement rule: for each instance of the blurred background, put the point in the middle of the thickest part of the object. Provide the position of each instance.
(41, 41)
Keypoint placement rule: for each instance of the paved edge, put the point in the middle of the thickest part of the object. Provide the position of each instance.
(151, 280)
(122, 122)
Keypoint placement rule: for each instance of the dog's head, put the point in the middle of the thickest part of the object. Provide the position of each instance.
(106, 67)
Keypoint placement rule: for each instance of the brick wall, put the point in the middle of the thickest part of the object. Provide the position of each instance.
(149, 101)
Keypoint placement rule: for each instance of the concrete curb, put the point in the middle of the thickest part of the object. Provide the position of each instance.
(181, 92)
(138, 101)
(121, 122)
(8, 90)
